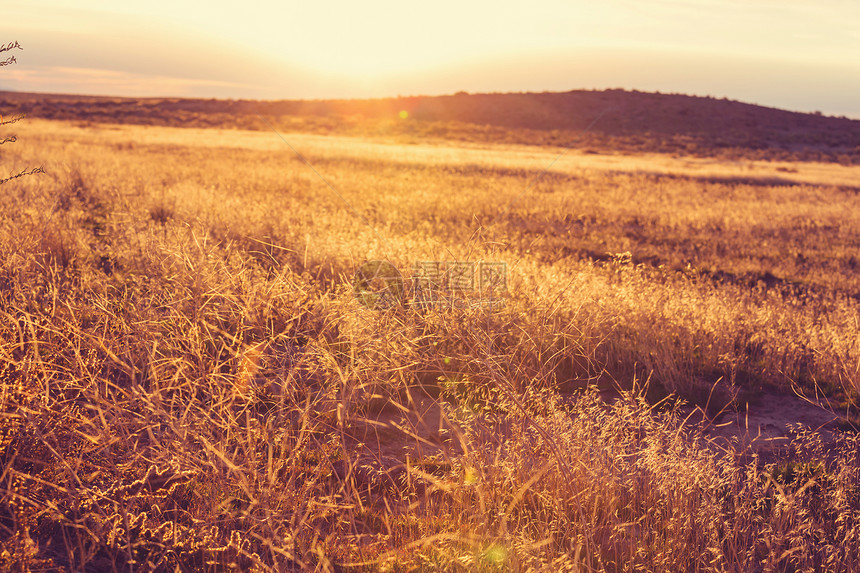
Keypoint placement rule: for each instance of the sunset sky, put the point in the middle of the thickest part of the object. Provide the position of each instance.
(792, 54)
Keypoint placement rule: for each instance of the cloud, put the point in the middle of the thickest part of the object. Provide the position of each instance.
(134, 61)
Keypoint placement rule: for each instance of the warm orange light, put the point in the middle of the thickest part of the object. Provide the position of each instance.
(404, 114)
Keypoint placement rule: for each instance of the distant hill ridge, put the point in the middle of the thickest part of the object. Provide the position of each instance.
(624, 112)
(682, 122)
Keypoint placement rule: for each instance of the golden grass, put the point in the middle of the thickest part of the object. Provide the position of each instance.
(188, 381)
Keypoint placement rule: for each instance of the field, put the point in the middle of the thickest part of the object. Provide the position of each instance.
(190, 383)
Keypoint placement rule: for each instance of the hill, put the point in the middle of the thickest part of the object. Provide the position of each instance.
(628, 121)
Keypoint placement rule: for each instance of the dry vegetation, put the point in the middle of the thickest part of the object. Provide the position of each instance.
(630, 122)
(188, 382)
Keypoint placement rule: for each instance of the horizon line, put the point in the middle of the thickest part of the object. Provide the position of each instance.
(851, 117)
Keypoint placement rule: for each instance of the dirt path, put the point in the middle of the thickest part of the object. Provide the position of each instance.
(765, 426)
(420, 430)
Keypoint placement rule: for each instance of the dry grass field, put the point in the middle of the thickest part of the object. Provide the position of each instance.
(189, 383)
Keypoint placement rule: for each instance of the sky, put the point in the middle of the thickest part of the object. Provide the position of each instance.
(792, 54)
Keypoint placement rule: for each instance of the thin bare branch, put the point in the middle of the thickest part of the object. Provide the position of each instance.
(10, 46)
(23, 173)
